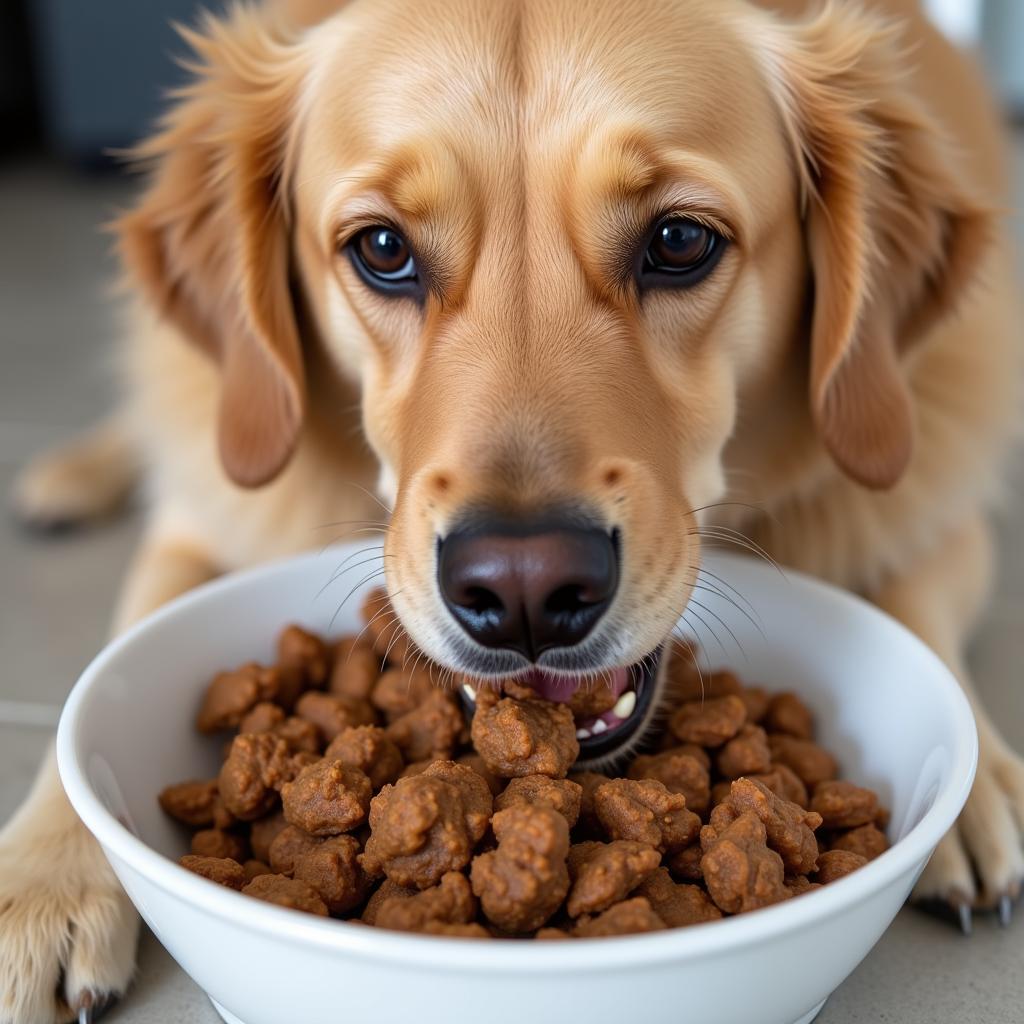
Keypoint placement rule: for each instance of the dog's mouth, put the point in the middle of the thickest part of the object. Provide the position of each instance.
(625, 699)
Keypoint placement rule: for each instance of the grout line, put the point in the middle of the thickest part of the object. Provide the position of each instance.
(31, 714)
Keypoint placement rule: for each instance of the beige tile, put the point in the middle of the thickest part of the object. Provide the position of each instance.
(162, 992)
(924, 972)
(21, 751)
(56, 598)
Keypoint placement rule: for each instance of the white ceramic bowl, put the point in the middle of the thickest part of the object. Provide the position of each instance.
(886, 706)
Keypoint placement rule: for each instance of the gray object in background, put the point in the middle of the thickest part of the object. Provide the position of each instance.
(104, 67)
(1002, 40)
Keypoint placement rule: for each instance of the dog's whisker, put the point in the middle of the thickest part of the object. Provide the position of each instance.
(352, 522)
(339, 572)
(727, 536)
(725, 625)
(728, 600)
(701, 571)
(364, 580)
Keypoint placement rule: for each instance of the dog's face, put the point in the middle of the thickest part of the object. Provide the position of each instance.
(558, 245)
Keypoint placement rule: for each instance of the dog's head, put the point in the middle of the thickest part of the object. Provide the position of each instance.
(559, 246)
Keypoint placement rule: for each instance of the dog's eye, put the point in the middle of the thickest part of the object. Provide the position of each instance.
(680, 253)
(384, 260)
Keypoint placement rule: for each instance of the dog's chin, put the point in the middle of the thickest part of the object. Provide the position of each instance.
(613, 735)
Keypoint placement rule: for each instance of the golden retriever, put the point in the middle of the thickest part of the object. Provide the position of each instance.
(570, 284)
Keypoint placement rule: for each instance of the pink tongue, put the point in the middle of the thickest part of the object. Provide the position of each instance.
(559, 689)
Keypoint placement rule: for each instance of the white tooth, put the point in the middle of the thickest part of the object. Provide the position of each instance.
(469, 691)
(583, 734)
(599, 726)
(625, 705)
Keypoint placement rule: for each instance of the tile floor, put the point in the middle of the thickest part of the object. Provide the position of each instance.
(56, 594)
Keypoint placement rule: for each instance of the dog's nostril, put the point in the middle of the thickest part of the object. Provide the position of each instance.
(566, 600)
(528, 589)
(482, 600)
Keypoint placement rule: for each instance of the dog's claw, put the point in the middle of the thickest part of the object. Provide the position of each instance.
(1005, 909)
(91, 1007)
(966, 918)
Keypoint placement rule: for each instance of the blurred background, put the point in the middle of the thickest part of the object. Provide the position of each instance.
(81, 78)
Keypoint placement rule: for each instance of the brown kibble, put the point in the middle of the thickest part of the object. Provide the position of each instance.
(679, 770)
(836, 864)
(383, 628)
(224, 872)
(563, 795)
(789, 828)
(385, 891)
(756, 700)
(800, 884)
(709, 723)
(720, 791)
(685, 864)
(215, 842)
(784, 782)
(256, 768)
(327, 798)
(332, 868)
(415, 768)
(401, 690)
(417, 832)
(604, 873)
(646, 812)
(746, 753)
(222, 817)
(332, 714)
(356, 670)
(523, 882)
(255, 868)
(631, 917)
(589, 783)
(552, 933)
(286, 892)
(263, 833)
(867, 840)
(264, 717)
(591, 701)
(476, 762)
(517, 738)
(844, 805)
(303, 660)
(367, 748)
(811, 763)
(788, 714)
(677, 905)
(476, 794)
(686, 682)
(231, 695)
(289, 844)
(450, 902)
(740, 871)
(430, 730)
(191, 802)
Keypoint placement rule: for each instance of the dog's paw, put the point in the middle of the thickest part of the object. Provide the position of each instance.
(980, 863)
(76, 483)
(67, 929)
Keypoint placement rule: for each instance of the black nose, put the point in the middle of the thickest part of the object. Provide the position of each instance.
(528, 589)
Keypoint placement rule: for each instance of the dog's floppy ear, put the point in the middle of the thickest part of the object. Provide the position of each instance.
(893, 235)
(208, 243)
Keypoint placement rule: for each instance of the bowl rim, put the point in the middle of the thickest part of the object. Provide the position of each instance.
(421, 951)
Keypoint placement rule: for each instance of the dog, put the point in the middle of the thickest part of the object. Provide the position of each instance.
(572, 288)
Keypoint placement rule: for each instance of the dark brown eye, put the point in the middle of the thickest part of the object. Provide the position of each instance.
(680, 253)
(384, 260)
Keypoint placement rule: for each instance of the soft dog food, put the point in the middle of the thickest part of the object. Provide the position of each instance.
(354, 787)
